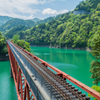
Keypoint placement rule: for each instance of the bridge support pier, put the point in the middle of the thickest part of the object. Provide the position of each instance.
(11, 74)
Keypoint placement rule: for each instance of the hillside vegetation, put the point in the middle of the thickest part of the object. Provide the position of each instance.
(3, 48)
(15, 25)
(67, 30)
(4, 19)
(22, 43)
(16, 22)
(88, 5)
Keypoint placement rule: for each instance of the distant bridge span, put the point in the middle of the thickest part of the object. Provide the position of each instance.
(35, 79)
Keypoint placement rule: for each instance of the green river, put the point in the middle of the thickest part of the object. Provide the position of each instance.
(76, 63)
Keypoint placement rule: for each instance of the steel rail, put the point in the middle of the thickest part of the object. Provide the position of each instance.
(50, 80)
(44, 74)
(66, 76)
(59, 79)
(22, 93)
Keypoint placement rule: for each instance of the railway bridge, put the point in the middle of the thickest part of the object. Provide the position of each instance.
(35, 79)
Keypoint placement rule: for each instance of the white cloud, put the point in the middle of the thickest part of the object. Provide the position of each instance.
(19, 8)
(63, 11)
(49, 11)
(53, 12)
(26, 9)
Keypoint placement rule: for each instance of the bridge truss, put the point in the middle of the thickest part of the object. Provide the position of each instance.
(34, 79)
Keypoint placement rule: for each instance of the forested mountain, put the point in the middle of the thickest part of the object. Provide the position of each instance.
(67, 30)
(36, 19)
(16, 22)
(4, 19)
(44, 21)
(3, 48)
(88, 5)
(16, 25)
(15, 30)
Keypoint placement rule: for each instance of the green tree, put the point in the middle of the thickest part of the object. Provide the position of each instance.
(15, 38)
(3, 48)
(98, 7)
(25, 45)
(95, 65)
(97, 88)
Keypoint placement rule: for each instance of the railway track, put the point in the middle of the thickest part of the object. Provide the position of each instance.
(60, 89)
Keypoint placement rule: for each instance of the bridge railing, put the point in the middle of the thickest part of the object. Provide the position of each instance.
(64, 75)
(27, 76)
(50, 91)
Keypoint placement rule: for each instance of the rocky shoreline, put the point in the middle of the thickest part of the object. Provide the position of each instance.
(4, 57)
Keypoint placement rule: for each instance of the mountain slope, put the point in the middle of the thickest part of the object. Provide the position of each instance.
(4, 19)
(44, 21)
(88, 5)
(15, 22)
(16, 30)
(36, 19)
(68, 30)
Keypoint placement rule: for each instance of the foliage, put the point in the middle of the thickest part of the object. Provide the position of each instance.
(65, 30)
(3, 48)
(15, 38)
(88, 5)
(25, 45)
(15, 30)
(43, 21)
(16, 26)
(22, 43)
(97, 88)
(95, 65)
(4, 19)
(16, 22)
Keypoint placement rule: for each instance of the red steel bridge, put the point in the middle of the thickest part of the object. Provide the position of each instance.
(35, 79)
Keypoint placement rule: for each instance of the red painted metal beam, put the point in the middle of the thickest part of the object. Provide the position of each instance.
(65, 76)
(23, 89)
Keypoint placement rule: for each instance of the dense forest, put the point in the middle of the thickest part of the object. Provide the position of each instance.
(22, 43)
(10, 25)
(4, 19)
(88, 5)
(3, 48)
(66, 30)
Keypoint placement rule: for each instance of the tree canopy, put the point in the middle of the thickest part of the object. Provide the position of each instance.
(22, 43)
(66, 30)
(25, 45)
(97, 88)
(3, 48)
(95, 65)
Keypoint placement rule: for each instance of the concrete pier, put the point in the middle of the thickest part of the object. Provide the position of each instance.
(11, 75)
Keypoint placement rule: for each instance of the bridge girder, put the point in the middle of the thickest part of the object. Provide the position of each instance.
(23, 89)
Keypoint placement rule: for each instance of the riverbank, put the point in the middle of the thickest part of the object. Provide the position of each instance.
(4, 57)
(87, 49)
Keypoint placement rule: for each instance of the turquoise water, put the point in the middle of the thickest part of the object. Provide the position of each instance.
(76, 63)
(7, 87)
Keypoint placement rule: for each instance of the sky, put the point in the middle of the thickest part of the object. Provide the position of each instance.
(29, 9)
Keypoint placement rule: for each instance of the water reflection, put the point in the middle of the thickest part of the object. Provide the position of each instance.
(73, 62)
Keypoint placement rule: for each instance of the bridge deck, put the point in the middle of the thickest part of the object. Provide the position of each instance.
(50, 86)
